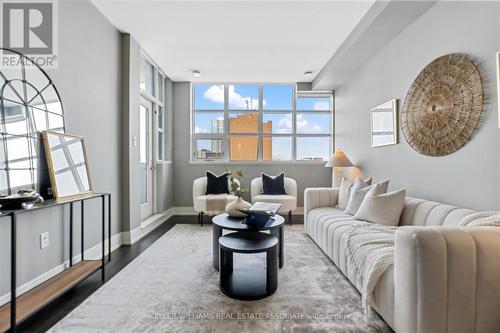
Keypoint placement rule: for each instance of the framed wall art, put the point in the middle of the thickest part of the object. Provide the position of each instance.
(68, 165)
(384, 124)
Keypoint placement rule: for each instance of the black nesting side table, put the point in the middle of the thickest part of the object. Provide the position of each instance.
(246, 285)
(224, 221)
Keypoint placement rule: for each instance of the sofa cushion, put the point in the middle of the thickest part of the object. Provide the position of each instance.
(345, 191)
(382, 208)
(329, 228)
(273, 185)
(287, 202)
(338, 248)
(217, 184)
(323, 224)
(319, 216)
(358, 194)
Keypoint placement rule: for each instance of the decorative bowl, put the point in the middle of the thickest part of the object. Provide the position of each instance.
(17, 201)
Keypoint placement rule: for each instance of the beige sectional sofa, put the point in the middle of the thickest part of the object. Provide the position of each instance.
(444, 278)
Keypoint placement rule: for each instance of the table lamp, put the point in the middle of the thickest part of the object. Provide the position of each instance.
(338, 161)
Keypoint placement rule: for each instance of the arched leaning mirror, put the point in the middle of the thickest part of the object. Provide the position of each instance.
(29, 104)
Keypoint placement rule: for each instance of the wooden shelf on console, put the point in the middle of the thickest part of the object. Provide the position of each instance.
(35, 299)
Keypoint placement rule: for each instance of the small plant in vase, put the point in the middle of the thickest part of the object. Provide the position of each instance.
(233, 208)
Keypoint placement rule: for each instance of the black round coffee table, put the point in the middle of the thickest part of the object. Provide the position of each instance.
(247, 283)
(224, 221)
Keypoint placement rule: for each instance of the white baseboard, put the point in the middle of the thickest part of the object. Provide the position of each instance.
(93, 253)
(130, 237)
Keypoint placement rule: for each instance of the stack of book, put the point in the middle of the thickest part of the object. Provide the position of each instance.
(261, 213)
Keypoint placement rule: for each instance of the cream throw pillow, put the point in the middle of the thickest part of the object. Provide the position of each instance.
(345, 188)
(345, 191)
(358, 193)
(382, 208)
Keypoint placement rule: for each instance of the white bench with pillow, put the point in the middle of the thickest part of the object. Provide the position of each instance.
(205, 202)
(287, 196)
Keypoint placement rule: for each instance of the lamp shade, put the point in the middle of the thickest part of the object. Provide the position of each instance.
(339, 159)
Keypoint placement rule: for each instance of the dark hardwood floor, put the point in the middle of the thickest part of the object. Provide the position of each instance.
(121, 257)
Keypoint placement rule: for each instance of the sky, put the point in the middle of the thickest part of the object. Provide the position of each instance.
(275, 98)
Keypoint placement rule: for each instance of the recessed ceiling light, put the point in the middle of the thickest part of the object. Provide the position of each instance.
(196, 73)
(308, 73)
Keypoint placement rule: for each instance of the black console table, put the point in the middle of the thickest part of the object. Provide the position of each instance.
(23, 306)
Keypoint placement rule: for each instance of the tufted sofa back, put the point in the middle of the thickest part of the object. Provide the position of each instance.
(421, 212)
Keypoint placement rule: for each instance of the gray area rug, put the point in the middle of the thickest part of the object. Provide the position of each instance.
(173, 287)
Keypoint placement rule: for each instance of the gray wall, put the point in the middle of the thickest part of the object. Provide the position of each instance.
(165, 171)
(131, 52)
(185, 173)
(165, 180)
(468, 177)
(88, 79)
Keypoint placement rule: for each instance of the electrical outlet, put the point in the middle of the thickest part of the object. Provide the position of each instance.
(44, 240)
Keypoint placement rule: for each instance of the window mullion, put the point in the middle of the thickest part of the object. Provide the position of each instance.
(294, 124)
(225, 135)
(191, 125)
(260, 143)
(332, 123)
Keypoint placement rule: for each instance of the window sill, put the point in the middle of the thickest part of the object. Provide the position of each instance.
(318, 163)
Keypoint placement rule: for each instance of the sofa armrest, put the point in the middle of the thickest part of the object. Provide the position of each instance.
(446, 279)
(319, 197)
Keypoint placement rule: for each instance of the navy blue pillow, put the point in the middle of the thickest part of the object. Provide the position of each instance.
(217, 184)
(273, 185)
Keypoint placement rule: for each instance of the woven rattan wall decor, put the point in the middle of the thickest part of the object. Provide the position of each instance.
(443, 107)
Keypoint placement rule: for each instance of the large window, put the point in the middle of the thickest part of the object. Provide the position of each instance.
(260, 123)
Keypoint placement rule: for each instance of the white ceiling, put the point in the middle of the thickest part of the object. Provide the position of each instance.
(380, 25)
(238, 41)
